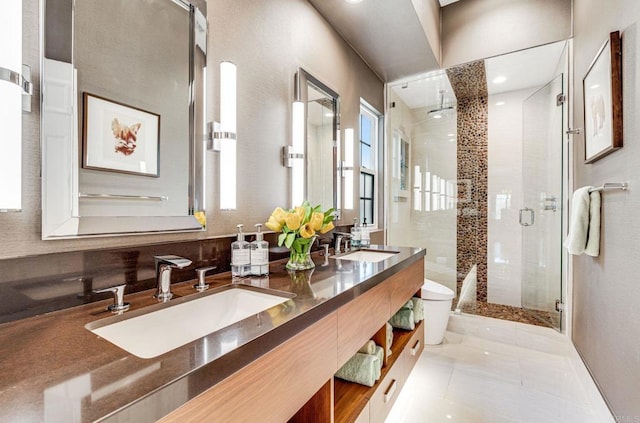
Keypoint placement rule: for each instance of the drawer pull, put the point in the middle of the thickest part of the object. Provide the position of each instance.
(415, 348)
(389, 394)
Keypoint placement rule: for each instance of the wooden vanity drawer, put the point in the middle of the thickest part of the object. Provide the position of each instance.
(385, 396)
(414, 348)
(364, 415)
(273, 387)
(405, 284)
(359, 320)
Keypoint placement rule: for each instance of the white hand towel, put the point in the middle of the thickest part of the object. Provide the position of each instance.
(576, 241)
(593, 238)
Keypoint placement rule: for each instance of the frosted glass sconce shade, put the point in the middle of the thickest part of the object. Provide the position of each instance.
(227, 136)
(297, 153)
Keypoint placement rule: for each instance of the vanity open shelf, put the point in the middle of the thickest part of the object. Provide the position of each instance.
(358, 403)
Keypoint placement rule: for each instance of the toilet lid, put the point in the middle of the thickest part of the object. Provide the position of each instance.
(434, 291)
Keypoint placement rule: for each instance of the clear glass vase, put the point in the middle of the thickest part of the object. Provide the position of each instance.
(301, 260)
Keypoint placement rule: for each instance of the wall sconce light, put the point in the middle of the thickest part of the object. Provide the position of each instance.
(338, 193)
(347, 169)
(222, 136)
(15, 96)
(293, 155)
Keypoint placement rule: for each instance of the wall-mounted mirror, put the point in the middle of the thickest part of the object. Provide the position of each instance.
(322, 126)
(15, 96)
(122, 112)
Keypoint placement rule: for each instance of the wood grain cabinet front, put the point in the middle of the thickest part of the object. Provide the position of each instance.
(360, 319)
(364, 415)
(414, 348)
(387, 391)
(273, 387)
(405, 284)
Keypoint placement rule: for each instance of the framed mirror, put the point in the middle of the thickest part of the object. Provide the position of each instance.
(122, 112)
(321, 135)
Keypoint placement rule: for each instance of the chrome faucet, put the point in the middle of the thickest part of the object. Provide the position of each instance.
(339, 237)
(118, 306)
(164, 264)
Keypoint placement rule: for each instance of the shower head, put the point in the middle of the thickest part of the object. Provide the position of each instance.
(442, 110)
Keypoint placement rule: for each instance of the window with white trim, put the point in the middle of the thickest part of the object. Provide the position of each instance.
(369, 143)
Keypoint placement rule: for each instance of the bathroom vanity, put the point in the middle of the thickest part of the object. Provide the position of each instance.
(275, 365)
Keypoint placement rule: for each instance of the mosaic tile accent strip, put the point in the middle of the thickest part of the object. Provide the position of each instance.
(470, 87)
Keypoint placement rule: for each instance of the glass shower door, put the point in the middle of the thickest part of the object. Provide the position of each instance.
(541, 215)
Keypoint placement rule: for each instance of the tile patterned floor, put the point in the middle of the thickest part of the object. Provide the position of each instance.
(498, 371)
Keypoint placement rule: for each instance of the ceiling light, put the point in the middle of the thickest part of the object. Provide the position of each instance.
(354, 1)
(500, 103)
(594, 86)
(436, 115)
(451, 135)
(499, 79)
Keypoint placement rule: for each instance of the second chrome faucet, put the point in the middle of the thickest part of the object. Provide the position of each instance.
(164, 264)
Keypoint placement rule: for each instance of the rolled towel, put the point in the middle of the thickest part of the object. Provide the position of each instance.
(403, 319)
(389, 338)
(418, 309)
(368, 348)
(408, 305)
(361, 368)
(380, 354)
(377, 371)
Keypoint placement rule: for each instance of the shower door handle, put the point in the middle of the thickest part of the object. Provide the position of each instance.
(550, 203)
(532, 216)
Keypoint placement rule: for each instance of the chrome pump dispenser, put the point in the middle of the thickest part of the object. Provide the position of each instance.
(240, 256)
(259, 254)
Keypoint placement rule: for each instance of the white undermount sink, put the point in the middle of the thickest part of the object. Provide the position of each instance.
(371, 256)
(173, 324)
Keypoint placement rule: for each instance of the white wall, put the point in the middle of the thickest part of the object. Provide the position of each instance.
(434, 230)
(477, 29)
(399, 121)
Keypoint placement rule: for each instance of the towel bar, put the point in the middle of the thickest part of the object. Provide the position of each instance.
(122, 197)
(611, 185)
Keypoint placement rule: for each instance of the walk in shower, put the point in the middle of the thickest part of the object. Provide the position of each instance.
(476, 175)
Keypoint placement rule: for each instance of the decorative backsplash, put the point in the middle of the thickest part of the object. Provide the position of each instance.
(39, 284)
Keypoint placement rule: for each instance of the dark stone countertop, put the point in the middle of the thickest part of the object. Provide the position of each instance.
(54, 369)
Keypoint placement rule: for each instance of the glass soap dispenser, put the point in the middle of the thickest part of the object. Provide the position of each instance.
(240, 256)
(355, 234)
(259, 254)
(365, 237)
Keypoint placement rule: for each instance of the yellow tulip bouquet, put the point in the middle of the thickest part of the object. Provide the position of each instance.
(299, 227)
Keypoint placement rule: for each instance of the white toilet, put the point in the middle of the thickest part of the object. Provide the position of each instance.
(437, 305)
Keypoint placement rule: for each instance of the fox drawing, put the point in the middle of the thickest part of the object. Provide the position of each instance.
(126, 137)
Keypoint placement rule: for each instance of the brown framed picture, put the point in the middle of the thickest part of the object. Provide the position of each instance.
(602, 89)
(120, 138)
